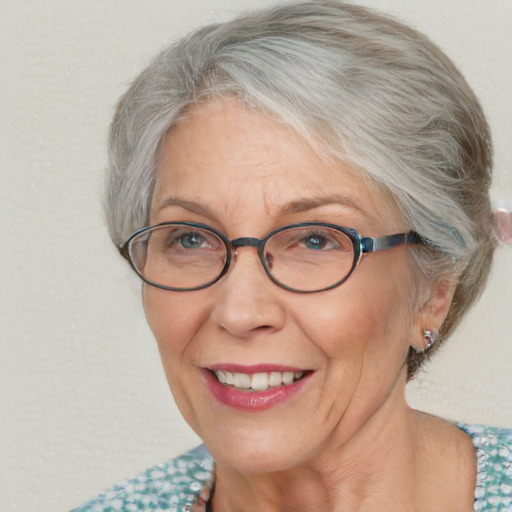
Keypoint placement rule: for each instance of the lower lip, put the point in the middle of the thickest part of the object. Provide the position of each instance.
(251, 400)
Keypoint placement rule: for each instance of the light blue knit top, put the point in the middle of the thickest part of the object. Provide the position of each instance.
(183, 483)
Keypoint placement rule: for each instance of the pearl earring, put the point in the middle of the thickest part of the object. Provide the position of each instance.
(430, 337)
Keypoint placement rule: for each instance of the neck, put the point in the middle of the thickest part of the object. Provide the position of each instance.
(354, 472)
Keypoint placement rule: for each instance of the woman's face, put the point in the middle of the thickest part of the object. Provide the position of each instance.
(245, 175)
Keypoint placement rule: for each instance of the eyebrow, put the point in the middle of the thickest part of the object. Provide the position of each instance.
(296, 206)
(309, 203)
(186, 205)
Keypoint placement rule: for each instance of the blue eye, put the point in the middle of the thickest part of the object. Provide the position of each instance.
(315, 241)
(192, 240)
(307, 240)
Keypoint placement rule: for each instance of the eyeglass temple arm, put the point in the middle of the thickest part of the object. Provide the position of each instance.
(369, 244)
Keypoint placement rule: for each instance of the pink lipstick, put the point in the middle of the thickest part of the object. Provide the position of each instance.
(255, 387)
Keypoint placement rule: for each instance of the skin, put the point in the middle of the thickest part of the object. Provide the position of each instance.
(347, 440)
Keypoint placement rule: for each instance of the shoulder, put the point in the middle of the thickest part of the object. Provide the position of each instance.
(168, 486)
(493, 447)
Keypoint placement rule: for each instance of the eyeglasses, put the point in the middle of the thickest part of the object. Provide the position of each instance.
(304, 258)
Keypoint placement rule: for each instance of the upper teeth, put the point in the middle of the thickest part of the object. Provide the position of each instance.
(257, 381)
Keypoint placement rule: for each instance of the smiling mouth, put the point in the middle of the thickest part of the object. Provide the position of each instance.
(261, 381)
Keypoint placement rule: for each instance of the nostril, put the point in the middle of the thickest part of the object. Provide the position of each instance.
(263, 329)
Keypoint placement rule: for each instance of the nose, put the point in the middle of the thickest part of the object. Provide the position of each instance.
(248, 301)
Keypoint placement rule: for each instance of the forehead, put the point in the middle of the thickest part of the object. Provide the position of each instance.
(238, 160)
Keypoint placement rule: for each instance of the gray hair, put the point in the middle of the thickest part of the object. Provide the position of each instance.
(361, 88)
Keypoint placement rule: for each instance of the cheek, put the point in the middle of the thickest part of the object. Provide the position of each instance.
(342, 324)
(359, 319)
(173, 318)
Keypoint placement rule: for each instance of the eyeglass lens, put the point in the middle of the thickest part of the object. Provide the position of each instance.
(183, 257)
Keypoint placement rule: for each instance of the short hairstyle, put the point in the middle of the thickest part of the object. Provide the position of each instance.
(362, 88)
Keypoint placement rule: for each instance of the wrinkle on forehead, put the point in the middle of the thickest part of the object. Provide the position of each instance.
(240, 164)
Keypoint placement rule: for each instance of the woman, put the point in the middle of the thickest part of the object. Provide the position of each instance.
(255, 166)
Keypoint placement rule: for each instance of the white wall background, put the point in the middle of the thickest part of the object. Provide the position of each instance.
(84, 401)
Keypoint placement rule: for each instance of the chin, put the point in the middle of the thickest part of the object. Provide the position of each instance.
(257, 457)
(258, 448)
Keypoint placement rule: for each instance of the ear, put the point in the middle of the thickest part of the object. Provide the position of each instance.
(432, 312)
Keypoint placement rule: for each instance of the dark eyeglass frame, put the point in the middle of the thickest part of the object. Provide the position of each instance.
(361, 245)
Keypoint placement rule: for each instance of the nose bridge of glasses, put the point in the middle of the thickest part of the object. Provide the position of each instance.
(245, 242)
(249, 242)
